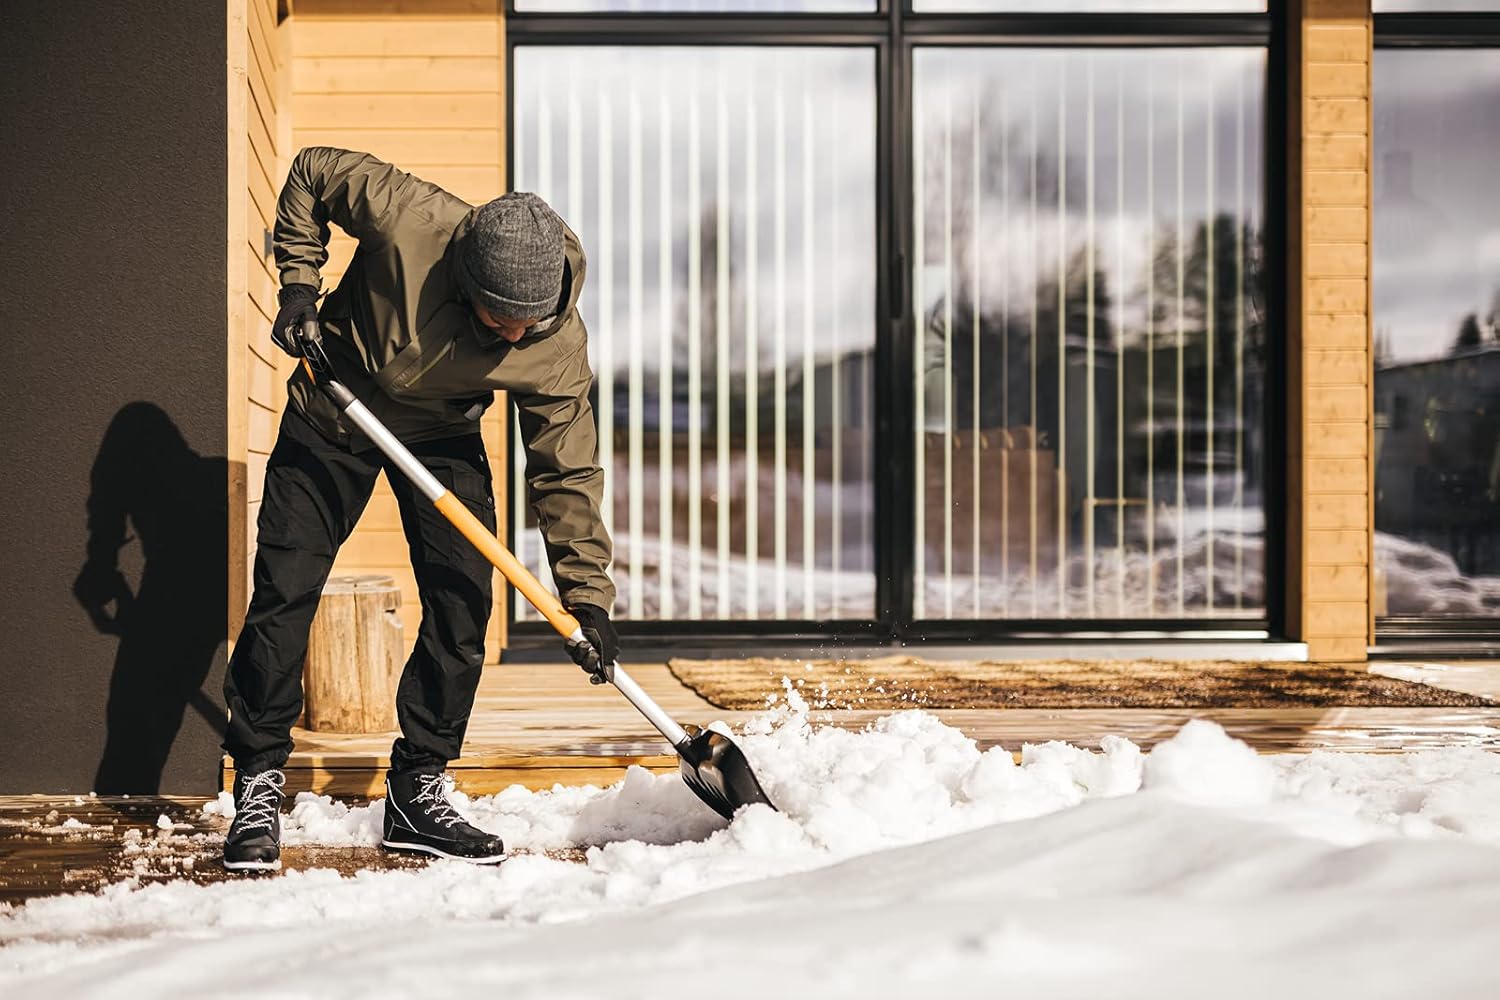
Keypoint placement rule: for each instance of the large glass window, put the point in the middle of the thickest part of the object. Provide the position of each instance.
(911, 319)
(697, 6)
(726, 200)
(1090, 6)
(1437, 332)
(1090, 350)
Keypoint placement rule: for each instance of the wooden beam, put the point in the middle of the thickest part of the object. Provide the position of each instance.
(237, 89)
(1329, 474)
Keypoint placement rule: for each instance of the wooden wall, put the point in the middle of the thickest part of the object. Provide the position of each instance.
(418, 85)
(1330, 509)
(258, 153)
(421, 84)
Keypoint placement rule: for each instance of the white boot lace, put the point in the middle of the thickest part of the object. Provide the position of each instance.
(432, 795)
(262, 797)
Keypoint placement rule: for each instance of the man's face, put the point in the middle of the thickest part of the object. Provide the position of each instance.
(510, 330)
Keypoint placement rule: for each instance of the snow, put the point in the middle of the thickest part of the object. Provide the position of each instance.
(905, 862)
(1202, 764)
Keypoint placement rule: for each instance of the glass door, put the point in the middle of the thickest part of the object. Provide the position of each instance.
(915, 318)
(1089, 333)
(725, 197)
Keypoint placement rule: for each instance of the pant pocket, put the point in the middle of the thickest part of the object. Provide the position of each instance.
(292, 515)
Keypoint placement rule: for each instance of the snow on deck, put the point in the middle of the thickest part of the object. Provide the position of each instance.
(906, 862)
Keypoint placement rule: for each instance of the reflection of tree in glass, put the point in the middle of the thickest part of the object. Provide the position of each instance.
(1468, 336)
(1221, 278)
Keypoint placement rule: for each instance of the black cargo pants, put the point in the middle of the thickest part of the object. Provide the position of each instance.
(314, 493)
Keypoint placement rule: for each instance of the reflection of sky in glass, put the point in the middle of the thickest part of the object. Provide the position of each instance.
(1137, 95)
(698, 6)
(1437, 217)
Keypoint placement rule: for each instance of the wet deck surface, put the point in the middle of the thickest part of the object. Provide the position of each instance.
(540, 724)
(51, 844)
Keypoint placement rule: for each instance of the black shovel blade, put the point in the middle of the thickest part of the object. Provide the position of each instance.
(718, 773)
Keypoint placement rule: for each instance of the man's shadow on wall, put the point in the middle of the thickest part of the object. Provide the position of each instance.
(146, 479)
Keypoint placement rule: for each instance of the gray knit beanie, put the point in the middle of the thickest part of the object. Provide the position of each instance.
(512, 259)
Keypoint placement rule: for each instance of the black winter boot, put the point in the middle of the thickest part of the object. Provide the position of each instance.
(419, 817)
(254, 839)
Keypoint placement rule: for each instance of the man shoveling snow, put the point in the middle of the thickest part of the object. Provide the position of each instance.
(442, 304)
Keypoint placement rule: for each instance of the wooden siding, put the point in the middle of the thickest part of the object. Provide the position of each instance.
(1329, 357)
(420, 86)
(257, 152)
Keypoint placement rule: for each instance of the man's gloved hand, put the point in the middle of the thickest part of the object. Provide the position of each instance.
(299, 303)
(597, 655)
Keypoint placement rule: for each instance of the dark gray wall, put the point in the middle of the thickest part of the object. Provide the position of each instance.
(112, 394)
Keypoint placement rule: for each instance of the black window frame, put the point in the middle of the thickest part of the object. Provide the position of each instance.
(894, 32)
(1399, 634)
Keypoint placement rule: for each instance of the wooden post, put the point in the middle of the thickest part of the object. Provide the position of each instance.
(1329, 508)
(354, 655)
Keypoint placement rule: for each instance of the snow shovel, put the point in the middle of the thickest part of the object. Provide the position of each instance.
(713, 767)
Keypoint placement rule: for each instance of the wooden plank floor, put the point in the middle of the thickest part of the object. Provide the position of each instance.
(542, 724)
(76, 843)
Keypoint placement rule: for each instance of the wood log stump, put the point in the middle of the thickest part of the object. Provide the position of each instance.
(354, 657)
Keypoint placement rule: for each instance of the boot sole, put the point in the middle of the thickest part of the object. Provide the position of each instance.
(253, 866)
(396, 845)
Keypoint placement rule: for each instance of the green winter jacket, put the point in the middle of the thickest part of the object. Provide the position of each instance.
(403, 339)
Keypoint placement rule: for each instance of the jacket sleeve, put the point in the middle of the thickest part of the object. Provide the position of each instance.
(358, 192)
(565, 484)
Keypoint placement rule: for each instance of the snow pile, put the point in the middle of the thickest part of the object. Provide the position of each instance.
(908, 777)
(1202, 764)
(904, 861)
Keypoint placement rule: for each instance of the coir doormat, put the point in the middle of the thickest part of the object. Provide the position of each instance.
(898, 682)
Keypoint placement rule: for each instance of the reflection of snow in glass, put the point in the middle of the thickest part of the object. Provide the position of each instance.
(1414, 579)
(1421, 580)
(850, 595)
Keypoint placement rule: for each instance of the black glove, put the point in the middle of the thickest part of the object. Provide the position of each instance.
(597, 655)
(299, 303)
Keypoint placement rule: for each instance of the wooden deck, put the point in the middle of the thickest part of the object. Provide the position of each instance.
(540, 725)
